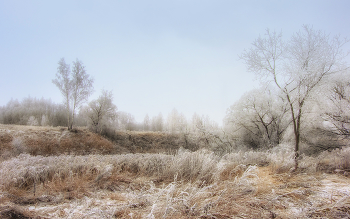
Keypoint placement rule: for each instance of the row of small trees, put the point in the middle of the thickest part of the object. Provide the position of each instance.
(76, 86)
(96, 114)
(33, 111)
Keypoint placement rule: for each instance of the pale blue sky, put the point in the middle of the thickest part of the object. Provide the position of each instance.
(154, 55)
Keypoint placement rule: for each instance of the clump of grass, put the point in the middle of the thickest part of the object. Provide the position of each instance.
(337, 160)
(5, 145)
(18, 146)
(192, 166)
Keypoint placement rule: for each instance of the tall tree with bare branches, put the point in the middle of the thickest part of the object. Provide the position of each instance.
(75, 86)
(64, 84)
(297, 67)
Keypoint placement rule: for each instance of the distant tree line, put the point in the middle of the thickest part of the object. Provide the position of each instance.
(33, 111)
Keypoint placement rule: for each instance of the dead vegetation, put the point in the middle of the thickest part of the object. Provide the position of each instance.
(184, 184)
(48, 141)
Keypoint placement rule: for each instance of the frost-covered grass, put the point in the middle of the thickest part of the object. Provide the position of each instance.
(203, 165)
(25, 170)
(185, 185)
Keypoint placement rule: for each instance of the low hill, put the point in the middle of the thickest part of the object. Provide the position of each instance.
(37, 140)
(46, 141)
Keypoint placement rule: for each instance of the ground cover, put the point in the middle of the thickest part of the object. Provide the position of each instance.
(201, 184)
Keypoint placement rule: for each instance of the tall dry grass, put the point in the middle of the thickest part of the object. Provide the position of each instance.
(203, 165)
(184, 185)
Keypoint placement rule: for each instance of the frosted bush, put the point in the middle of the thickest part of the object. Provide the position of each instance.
(45, 120)
(336, 159)
(32, 121)
(308, 163)
(248, 158)
(25, 169)
(249, 177)
(18, 146)
(281, 159)
(192, 166)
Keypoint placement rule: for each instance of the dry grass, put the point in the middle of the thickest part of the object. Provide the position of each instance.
(337, 161)
(183, 185)
(186, 185)
(48, 141)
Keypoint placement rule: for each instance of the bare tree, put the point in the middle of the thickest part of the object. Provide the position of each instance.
(176, 122)
(157, 123)
(258, 119)
(146, 123)
(82, 87)
(126, 121)
(75, 87)
(101, 111)
(297, 67)
(337, 113)
(64, 84)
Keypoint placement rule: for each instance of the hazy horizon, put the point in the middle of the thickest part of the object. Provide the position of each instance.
(154, 55)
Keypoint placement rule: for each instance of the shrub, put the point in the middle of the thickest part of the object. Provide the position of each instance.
(338, 159)
(192, 166)
(18, 146)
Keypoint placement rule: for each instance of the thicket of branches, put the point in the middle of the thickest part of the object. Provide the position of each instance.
(33, 111)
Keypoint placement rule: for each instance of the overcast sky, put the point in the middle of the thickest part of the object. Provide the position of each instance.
(153, 55)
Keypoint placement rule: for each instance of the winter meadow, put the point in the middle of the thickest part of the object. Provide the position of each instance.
(174, 110)
(282, 151)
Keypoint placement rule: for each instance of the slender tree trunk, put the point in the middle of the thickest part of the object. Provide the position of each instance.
(296, 129)
(71, 124)
(296, 151)
(73, 115)
(68, 116)
(297, 140)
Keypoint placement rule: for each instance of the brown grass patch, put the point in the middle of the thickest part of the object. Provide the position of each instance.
(5, 142)
(232, 171)
(117, 196)
(47, 141)
(14, 212)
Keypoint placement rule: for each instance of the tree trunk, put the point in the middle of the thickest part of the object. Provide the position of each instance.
(68, 118)
(297, 140)
(296, 151)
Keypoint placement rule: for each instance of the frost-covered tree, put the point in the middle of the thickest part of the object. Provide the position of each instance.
(32, 121)
(297, 67)
(1, 115)
(146, 123)
(337, 113)
(207, 134)
(126, 121)
(176, 122)
(76, 86)
(45, 112)
(64, 84)
(258, 119)
(82, 87)
(101, 111)
(157, 123)
(44, 120)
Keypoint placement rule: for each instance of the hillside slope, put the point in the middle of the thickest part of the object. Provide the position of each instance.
(37, 140)
(46, 141)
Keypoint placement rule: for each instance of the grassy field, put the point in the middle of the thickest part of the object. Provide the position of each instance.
(52, 173)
